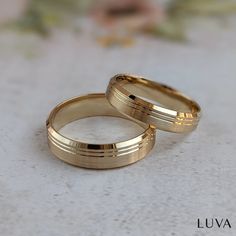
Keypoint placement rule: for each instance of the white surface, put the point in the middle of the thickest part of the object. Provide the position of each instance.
(113, 129)
(182, 179)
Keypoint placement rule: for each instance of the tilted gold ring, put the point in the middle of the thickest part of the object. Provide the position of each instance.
(96, 156)
(171, 110)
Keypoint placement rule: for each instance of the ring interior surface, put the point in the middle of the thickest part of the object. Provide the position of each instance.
(95, 156)
(156, 104)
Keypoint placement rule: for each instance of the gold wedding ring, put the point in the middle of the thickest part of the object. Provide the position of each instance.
(171, 110)
(96, 156)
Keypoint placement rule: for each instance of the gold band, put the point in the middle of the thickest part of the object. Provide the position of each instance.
(176, 112)
(96, 156)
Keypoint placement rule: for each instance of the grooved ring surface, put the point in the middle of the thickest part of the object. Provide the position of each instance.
(168, 110)
(96, 156)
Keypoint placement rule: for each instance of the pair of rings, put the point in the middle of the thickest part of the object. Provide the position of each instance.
(151, 105)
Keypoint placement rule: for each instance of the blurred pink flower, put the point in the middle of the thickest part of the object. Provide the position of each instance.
(12, 9)
(129, 15)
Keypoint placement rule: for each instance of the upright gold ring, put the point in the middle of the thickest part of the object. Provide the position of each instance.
(153, 103)
(96, 156)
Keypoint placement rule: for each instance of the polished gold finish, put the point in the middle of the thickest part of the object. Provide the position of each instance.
(96, 156)
(170, 111)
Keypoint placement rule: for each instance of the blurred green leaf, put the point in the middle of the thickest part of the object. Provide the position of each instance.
(201, 7)
(170, 29)
(42, 15)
